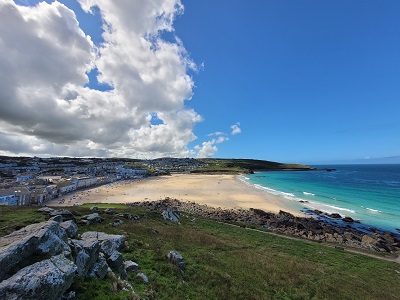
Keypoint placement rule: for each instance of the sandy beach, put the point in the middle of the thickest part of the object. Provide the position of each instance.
(225, 191)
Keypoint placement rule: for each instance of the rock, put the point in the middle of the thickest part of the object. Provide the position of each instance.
(335, 216)
(116, 263)
(368, 241)
(36, 240)
(57, 218)
(70, 228)
(83, 222)
(117, 241)
(88, 254)
(130, 266)
(317, 212)
(171, 215)
(176, 258)
(117, 223)
(109, 211)
(100, 268)
(69, 296)
(107, 247)
(94, 218)
(132, 217)
(348, 219)
(46, 209)
(65, 214)
(46, 280)
(143, 277)
(94, 208)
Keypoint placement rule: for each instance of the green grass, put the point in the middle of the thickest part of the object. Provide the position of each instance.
(243, 166)
(228, 262)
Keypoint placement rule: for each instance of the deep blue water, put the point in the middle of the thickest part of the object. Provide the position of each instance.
(369, 193)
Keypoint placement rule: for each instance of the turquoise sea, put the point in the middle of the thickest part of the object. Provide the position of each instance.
(368, 193)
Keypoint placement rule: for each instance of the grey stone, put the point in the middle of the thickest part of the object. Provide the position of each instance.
(94, 208)
(132, 217)
(143, 277)
(65, 214)
(69, 296)
(57, 218)
(83, 222)
(171, 215)
(130, 266)
(117, 223)
(109, 211)
(99, 269)
(45, 280)
(117, 240)
(46, 209)
(87, 255)
(107, 247)
(176, 258)
(46, 238)
(70, 228)
(94, 218)
(116, 263)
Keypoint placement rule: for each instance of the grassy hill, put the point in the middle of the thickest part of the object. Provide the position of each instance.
(224, 261)
(217, 165)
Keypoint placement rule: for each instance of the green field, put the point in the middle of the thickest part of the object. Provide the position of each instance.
(225, 262)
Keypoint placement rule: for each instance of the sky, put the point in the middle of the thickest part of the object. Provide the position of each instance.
(310, 81)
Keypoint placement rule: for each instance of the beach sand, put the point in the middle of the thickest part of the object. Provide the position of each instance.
(225, 191)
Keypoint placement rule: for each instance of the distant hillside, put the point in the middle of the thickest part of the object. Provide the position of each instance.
(244, 165)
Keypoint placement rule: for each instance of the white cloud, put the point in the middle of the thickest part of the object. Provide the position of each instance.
(209, 148)
(216, 133)
(235, 129)
(45, 107)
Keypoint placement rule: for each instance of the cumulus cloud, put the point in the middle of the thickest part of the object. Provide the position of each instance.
(235, 129)
(209, 148)
(46, 107)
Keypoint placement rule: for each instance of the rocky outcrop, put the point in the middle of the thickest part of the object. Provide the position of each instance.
(319, 226)
(40, 261)
(31, 243)
(46, 279)
(171, 214)
(70, 228)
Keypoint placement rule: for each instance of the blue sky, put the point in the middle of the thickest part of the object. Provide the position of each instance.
(308, 81)
(305, 81)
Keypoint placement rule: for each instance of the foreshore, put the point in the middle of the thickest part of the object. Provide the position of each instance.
(219, 191)
(227, 198)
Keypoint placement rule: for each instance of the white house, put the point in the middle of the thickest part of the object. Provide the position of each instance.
(66, 186)
(8, 197)
(83, 182)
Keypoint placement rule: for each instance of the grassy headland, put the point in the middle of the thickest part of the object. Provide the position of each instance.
(220, 165)
(224, 261)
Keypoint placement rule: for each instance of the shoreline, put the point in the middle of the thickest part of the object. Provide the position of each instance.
(227, 198)
(219, 191)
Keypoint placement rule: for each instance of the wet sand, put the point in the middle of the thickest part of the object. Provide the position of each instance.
(225, 191)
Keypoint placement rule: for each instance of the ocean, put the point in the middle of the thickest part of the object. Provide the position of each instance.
(367, 193)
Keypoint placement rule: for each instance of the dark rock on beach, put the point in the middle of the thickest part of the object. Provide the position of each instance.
(348, 219)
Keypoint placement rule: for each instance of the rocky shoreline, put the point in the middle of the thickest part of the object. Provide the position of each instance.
(316, 228)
